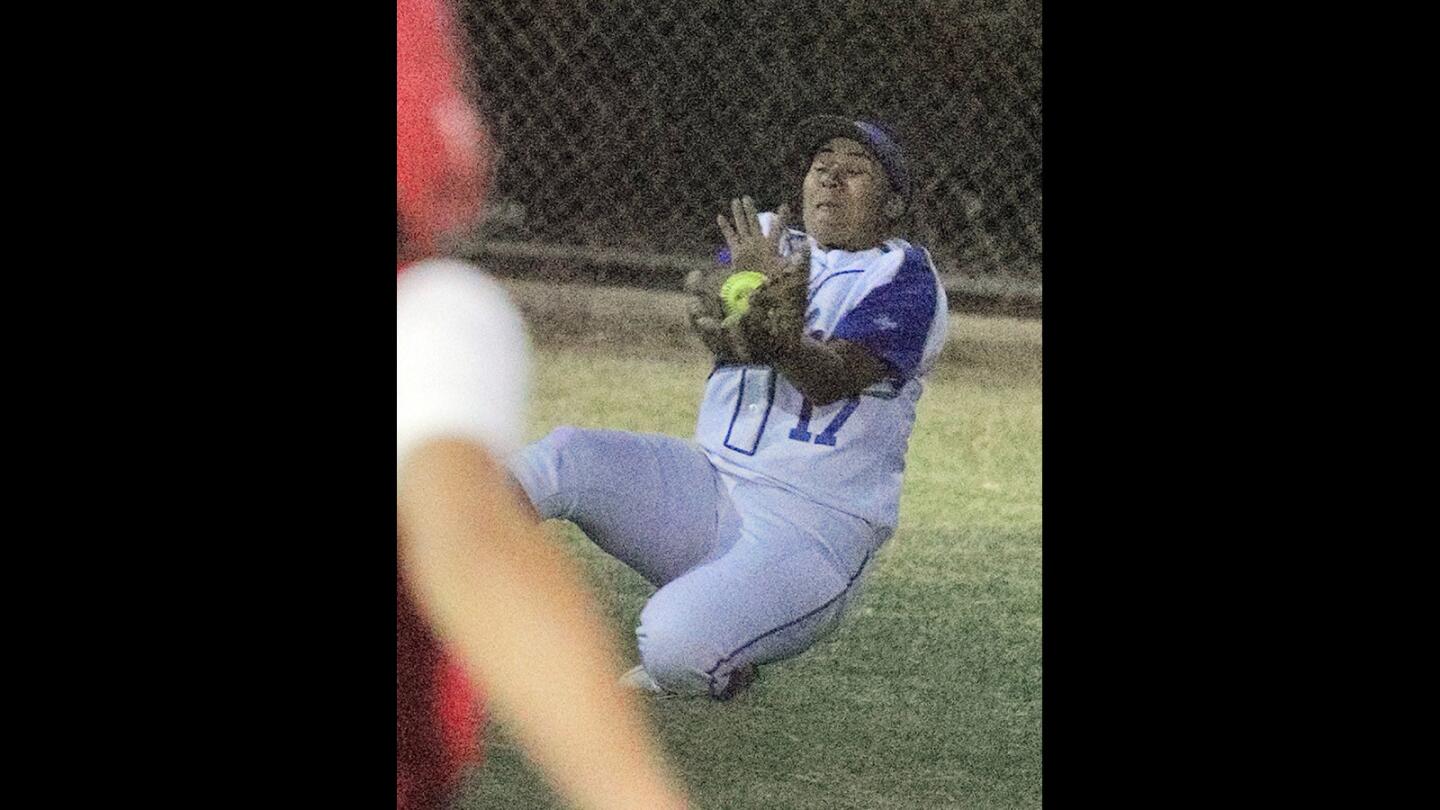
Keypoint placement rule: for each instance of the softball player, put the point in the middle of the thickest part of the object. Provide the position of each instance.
(759, 532)
(482, 596)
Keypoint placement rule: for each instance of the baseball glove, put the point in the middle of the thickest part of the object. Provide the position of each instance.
(781, 297)
(707, 314)
(776, 318)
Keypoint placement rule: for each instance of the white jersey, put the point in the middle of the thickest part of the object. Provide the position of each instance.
(462, 359)
(850, 454)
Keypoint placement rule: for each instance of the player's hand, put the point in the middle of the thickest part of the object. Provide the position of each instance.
(750, 248)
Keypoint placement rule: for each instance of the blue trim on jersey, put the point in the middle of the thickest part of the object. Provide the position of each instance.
(894, 319)
(757, 639)
(833, 275)
(721, 365)
(764, 419)
(739, 398)
(888, 388)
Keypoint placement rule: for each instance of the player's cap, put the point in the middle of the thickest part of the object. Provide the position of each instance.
(816, 130)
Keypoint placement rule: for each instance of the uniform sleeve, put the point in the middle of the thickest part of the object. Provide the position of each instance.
(894, 319)
(462, 360)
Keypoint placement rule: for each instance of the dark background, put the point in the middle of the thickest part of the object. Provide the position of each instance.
(630, 125)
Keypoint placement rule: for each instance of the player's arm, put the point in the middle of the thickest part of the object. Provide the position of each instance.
(827, 371)
(498, 592)
(515, 608)
(824, 371)
(883, 337)
(772, 332)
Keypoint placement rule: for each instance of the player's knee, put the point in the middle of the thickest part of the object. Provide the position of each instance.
(554, 445)
(539, 471)
(562, 438)
(674, 662)
(676, 656)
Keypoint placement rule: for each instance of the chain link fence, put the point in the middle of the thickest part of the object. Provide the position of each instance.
(624, 127)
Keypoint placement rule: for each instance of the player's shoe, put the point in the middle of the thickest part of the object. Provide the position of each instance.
(639, 680)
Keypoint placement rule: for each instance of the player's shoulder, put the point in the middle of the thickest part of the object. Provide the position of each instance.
(907, 252)
(899, 261)
(904, 275)
(917, 270)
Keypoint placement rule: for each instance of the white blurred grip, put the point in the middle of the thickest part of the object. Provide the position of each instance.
(462, 360)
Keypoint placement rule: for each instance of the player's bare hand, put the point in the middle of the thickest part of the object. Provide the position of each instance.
(750, 248)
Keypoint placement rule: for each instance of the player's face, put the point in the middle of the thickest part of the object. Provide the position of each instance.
(843, 196)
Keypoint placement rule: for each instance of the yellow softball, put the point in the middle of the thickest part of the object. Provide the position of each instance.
(735, 292)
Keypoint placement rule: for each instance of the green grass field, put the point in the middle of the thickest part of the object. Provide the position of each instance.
(929, 694)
